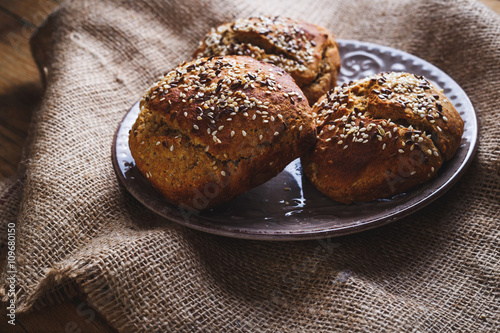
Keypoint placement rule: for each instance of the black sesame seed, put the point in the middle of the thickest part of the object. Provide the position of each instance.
(219, 87)
(236, 84)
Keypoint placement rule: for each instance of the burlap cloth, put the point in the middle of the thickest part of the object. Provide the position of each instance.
(79, 231)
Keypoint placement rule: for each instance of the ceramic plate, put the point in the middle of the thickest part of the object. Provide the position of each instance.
(288, 207)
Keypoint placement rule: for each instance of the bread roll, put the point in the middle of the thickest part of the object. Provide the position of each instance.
(381, 136)
(307, 51)
(216, 127)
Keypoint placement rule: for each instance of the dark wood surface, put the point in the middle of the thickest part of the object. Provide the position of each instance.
(20, 94)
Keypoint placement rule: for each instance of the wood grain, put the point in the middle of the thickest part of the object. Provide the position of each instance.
(20, 93)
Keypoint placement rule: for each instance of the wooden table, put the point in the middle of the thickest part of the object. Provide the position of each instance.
(20, 93)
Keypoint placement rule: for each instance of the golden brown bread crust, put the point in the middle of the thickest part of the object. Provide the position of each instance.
(216, 127)
(380, 137)
(306, 51)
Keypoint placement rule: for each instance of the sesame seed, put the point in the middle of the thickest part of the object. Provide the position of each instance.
(412, 173)
(158, 143)
(172, 148)
(276, 133)
(383, 146)
(260, 137)
(432, 169)
(435, 153)
(401, 151)
(244, 133)
(196, 127)
(223, 173)
(300, 128)
(345, 147)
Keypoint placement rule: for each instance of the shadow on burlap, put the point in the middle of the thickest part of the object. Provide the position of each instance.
(77, 229)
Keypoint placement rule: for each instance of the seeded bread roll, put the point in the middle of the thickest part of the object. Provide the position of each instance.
(380, 137)
(306, 51)
(216, 127)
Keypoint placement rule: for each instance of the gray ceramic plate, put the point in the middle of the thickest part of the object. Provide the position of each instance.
(288, 207)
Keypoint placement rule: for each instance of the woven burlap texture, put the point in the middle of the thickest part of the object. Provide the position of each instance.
(78, 229)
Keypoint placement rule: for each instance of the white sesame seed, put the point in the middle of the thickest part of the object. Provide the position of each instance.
(276, 133)
(244, 133)
(383, 146)
(185, 114)
(340, 142)
(435, 152)
(196, 127)
(300, 128)
(158, 143)
(223, 173)
(412, 173)
(232, 133)
(172, 148)
(401, 151)
(345, 147)
(206, 148)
